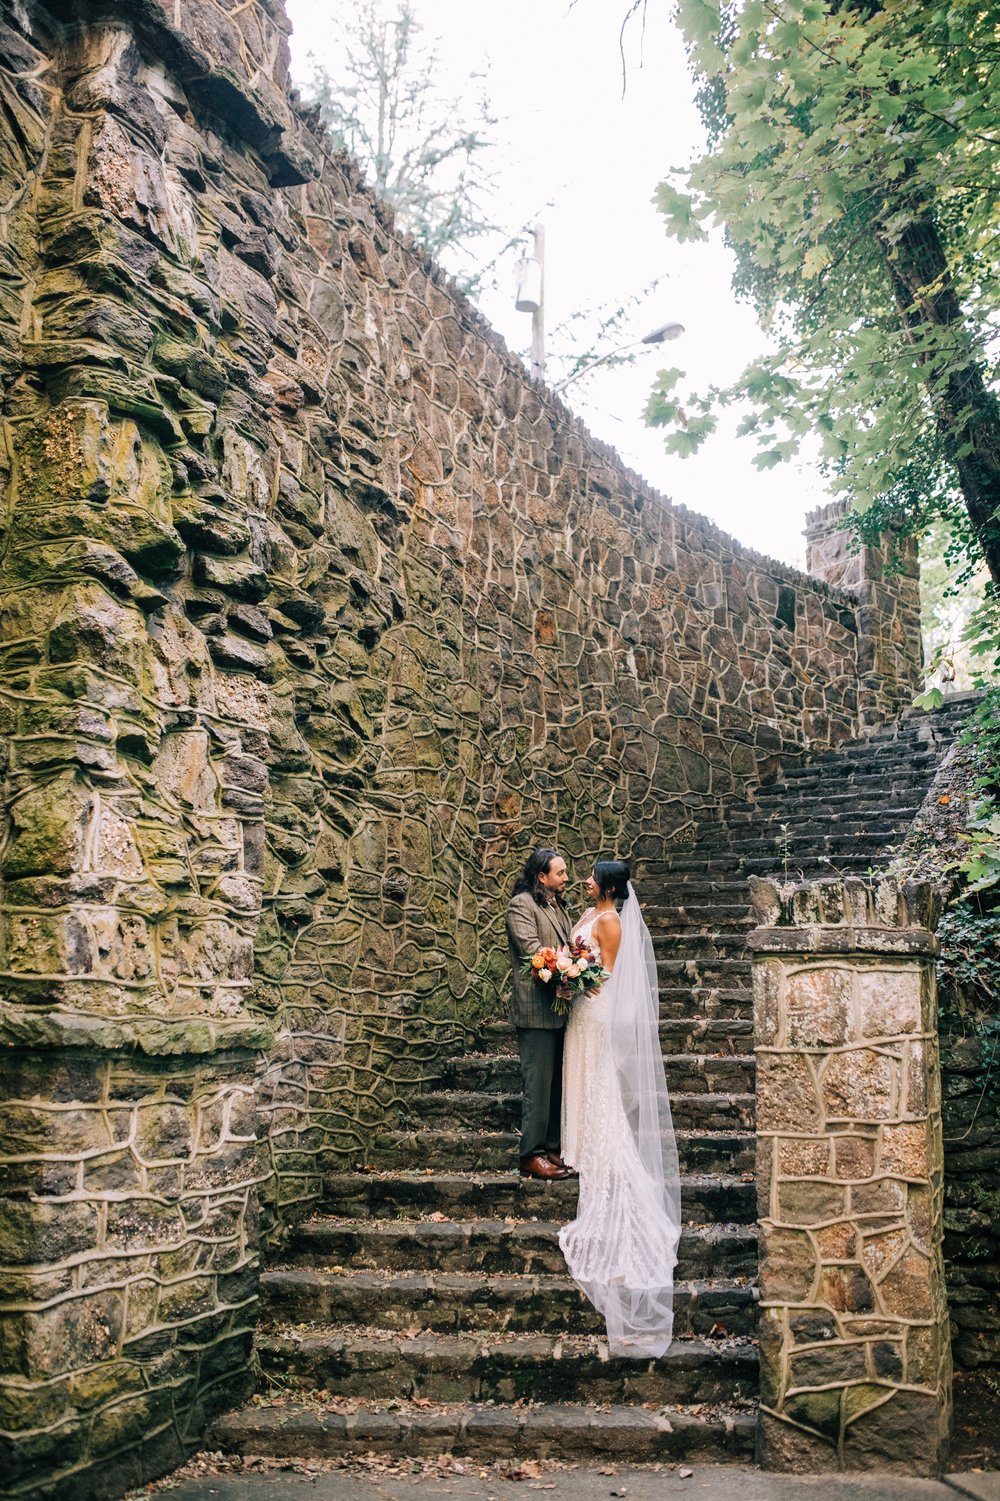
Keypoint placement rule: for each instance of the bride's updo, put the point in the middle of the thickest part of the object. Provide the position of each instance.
(612, 877)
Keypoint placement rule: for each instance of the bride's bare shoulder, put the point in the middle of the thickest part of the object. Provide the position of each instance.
(609, 922)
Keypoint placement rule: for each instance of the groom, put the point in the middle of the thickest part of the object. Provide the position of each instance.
(537, 918)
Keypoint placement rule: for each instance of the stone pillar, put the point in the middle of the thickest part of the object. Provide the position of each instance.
(886, 583)
(854, 1344)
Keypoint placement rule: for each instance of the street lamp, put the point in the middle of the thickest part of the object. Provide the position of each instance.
(529, 297)
(666, 333)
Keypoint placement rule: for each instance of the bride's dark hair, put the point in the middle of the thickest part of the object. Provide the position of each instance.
(612, 877)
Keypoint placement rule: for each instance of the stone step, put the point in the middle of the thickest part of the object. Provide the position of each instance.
(803, 866)
(668, 969)
(687, 1073)
(798, 806)
(700, 943)
(492, 1431)
(681, 1034)
(729, 1153)
(727, 847)
(732, 1002)
(727, 917)
(484, 1195)
(454, 1108)
(526, 1246)
(800, 799)
(442, 1301)
(802, 841)
(492, 1367)
(862, 763)
(804, 850)
(704, 886)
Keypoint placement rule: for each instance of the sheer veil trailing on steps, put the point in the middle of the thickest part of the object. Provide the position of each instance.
(622, 1247)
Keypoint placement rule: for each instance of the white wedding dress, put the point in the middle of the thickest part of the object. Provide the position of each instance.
(617, 1132)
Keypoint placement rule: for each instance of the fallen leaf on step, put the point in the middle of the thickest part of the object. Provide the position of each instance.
(685, 1474)
(607, 1470)
(438, 1216)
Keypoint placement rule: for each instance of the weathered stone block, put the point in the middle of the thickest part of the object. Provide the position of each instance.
(787, 1095)
(818, 1007)
(788, 1269)
(861, 1085)
(854, 1156)
(805, 1202)
(890, 1001)
(846, 1289)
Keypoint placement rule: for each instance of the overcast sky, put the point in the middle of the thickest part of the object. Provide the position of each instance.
(567, 137)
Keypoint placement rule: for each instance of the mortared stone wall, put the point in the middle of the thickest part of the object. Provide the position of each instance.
(315, 615)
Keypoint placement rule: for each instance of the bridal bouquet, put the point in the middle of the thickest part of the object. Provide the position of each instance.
(571, 971)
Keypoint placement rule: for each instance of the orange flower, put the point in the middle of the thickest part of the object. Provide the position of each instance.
(537, 962)
(944, 801)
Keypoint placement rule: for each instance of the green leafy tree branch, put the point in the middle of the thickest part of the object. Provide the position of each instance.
(853, 156)
(853, 161)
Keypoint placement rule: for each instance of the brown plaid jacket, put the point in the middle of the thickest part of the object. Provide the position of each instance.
(531, 927)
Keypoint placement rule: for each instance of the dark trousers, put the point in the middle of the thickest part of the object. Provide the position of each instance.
(541, 1050)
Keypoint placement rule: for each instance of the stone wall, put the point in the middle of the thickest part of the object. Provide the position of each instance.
(854, 1338)
(129, 1240)
(971, 1116)
(885, 580)
(316, 615)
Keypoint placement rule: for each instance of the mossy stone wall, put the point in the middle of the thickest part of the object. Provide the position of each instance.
(315, 614)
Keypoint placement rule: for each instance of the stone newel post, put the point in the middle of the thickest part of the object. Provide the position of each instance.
(855, 1356)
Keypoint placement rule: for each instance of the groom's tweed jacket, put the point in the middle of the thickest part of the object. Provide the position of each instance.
(531, 927)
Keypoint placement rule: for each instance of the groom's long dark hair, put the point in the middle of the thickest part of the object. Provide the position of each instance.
(537, 865)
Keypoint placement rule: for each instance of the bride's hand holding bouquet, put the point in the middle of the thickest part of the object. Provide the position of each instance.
(571, 971)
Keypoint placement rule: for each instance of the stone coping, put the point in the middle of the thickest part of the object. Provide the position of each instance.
(856, 906)
(842, 940)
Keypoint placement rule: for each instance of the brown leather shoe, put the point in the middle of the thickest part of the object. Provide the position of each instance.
(557, 1161)
(539, 1166)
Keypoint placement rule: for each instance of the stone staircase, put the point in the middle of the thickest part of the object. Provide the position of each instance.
(428, 1309)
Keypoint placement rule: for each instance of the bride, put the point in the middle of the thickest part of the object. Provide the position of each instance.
(616, 1129)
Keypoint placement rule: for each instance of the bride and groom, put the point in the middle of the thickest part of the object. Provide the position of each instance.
(595, 1099)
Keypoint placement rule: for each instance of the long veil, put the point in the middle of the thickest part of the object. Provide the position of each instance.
(622, 1248)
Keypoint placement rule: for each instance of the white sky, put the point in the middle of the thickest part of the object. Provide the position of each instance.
(566, 134)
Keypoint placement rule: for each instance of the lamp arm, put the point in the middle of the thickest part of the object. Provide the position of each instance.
(585, 369)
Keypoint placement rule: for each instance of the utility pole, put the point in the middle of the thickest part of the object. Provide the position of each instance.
(538, 316)
(530, 298)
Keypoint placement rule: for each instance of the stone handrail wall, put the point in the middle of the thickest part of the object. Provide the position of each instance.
(855, 1355)
(316, 614)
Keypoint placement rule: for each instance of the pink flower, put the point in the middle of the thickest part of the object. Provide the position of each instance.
(545, 975)
(573, 971)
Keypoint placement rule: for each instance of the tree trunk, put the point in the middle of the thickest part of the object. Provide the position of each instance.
(968, 413)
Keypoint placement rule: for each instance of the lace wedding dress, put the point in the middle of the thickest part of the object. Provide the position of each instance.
(616, 1130)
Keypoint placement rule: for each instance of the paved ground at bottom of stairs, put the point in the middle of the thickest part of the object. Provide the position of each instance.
(205, 1480)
